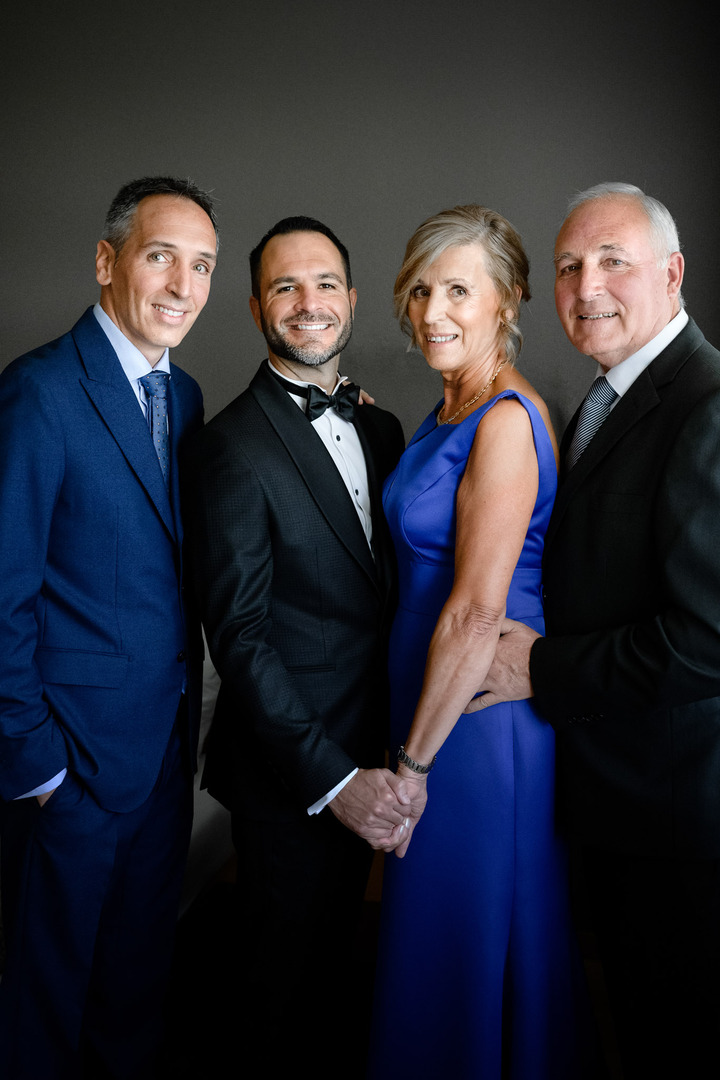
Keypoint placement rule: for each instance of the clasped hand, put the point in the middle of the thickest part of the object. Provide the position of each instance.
(380, 806)
(416, 788)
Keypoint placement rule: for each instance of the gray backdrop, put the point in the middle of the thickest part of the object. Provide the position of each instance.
(368, 115)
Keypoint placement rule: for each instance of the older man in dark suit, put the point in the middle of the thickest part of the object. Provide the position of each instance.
(98, 688)
(294, 570)
(629, 673)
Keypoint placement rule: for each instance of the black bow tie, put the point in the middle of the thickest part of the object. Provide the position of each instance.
(344, 400)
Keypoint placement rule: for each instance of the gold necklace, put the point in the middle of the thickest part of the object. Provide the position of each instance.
(471, 401)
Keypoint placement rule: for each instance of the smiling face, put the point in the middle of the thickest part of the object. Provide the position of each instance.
(611, 294)
(305, 309)
(454, 310)
(157, 285)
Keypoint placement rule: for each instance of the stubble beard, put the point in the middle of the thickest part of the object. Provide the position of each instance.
(307, 356)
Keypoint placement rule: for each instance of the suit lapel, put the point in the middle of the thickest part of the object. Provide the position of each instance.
(382, 543)
(180, 415)
(315, 467)
(643, 396)
(111, 394)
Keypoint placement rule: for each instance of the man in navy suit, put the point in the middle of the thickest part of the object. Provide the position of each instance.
(99, 671)
(629, 672)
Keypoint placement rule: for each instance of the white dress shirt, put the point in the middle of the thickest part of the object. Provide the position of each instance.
(623, 375)
(343, 445)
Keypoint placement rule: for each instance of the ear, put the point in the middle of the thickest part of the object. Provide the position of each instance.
(675, 271)
(104, 262)
(255, 310)
(508, 314)
(352, 294)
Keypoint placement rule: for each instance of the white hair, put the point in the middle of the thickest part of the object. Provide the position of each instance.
(663, 229)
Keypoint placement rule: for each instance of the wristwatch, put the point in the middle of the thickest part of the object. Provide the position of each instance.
(405, 759)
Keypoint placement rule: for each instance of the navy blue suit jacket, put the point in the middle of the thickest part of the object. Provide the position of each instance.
(94, 643)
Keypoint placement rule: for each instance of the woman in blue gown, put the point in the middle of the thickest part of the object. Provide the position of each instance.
(478, 973)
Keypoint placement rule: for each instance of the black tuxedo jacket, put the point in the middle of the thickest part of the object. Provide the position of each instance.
(295, 608)
(629, 674)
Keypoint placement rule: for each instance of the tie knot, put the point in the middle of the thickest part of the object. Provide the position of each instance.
(155, 384)
(601, 392)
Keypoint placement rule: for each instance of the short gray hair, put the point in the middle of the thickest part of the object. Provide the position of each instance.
(663, 230)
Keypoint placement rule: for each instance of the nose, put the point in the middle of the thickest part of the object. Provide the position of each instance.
(589, 283)
(434, 306)
(307, 298)
(180, 281)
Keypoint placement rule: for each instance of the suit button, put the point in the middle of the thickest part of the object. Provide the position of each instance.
(181, 657)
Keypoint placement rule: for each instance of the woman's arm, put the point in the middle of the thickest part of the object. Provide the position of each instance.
(494, 505)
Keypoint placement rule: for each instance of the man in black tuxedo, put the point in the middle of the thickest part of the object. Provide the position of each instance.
(294, 571)
(629, 673)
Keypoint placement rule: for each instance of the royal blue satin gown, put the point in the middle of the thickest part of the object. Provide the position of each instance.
(476, 948)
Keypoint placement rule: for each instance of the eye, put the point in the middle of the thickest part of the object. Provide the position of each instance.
(202, 268)
(419, 292)
(157, 257)
(458, 290)
(327, 285)
(568, 268)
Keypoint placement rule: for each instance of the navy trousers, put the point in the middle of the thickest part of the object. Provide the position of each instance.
(90, 902)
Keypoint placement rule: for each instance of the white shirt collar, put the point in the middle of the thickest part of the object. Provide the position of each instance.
(623, 375)
(302, 401)
(132, 361)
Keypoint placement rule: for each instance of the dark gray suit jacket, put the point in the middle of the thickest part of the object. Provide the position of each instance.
(629, 674)
(295, 609)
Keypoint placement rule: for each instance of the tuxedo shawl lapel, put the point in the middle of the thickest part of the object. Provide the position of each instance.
(368, 435)
(110, 392)
(314, 465)
(643, 396)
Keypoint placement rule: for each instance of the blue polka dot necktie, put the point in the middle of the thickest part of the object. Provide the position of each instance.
(593, 412)
(155, 386)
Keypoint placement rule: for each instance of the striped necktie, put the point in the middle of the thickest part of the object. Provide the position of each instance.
(155, 386)
(594, 410)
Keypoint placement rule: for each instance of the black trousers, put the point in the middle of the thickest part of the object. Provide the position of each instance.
(657, 923)
(304, 983)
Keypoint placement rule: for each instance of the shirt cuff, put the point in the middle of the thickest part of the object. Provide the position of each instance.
(322, 803)
(43, 789)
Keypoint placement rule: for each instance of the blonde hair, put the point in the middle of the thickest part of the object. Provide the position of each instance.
(505, 261)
